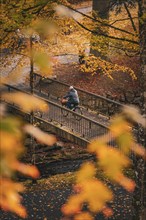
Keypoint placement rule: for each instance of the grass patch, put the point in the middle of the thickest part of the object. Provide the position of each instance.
(54, 182)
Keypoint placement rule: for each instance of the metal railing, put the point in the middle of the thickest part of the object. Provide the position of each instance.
(48, 126)
(97, 103)
(84, 127)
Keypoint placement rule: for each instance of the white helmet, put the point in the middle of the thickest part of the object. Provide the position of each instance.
(71, 87)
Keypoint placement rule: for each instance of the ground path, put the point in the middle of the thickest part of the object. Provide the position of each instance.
(45, 205)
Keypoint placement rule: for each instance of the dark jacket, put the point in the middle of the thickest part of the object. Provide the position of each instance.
(72, 96)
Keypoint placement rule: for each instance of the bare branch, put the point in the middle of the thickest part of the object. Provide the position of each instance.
(124, 19)
(105, 35)
(101, 22)
(33, 7)
(129, 53)
(130, 17)
(132, 55)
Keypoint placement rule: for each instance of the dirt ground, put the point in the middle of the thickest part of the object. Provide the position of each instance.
(99, 83)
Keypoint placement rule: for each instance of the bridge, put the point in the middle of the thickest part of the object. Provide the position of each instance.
(77, 128)
(97, 111)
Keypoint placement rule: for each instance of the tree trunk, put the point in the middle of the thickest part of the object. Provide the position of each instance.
(142, 30)
(101, 7)
(140, 192)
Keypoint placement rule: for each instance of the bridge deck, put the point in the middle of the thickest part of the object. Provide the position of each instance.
(78, 131)
(84, 126)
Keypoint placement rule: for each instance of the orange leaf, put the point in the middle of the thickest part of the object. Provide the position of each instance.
(26, 169)
(73, 205)
(138, 149)
(26, 102)
(41, 136)
(108, 212)
(10, 198)
(127, 183)
(83, 215)
(87, 171)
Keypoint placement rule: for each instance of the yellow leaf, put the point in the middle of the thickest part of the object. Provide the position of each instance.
(44, 63)
(108, 212)
(138, 149)
(73, 205)
(112, 161)
(10, 198)
(41, 136)
(95, 144)
(133, 114)
(125, 141)
(87, 171)
(26, 169)
(10, 143)
(84, 215)
(26, 102)
(119, 126)
(127, 183)
(96, 194)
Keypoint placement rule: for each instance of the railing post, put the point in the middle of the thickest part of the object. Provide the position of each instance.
(32, 92)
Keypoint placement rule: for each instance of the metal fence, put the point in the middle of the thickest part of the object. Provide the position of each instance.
(84, 128)
(99, 104)
(73, 122)
(48, 127)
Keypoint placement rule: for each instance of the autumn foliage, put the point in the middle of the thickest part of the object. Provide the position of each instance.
(112, 161)
(12, 134)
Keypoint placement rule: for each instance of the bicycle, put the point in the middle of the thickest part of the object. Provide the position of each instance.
(74, 108)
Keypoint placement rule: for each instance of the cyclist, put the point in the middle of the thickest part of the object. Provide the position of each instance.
(72, 98)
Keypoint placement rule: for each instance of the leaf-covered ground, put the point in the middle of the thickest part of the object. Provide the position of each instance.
(44, 200)
(99, 83)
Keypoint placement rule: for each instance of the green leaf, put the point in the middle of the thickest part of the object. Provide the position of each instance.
(10, 124)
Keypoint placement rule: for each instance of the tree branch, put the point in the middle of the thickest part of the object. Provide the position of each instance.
(101, 22)
(105, 35)
(130, 17)
(127, 52)
(31, 8)
(124, 19)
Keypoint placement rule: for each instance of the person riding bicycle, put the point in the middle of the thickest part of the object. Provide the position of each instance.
(72, 98)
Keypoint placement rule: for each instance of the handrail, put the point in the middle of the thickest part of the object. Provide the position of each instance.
(81, 90)
(86, 127)
(69, 136)
(89, 100)
(55, 104)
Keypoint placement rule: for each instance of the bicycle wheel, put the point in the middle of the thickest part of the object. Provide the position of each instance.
(78, 110)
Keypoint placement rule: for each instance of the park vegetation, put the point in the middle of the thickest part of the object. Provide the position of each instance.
(26, 30)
